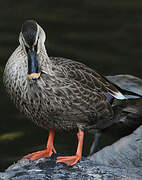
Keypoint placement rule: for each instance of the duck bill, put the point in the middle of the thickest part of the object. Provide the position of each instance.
(33, 66)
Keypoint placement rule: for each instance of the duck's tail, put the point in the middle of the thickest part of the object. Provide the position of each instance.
(120, 93)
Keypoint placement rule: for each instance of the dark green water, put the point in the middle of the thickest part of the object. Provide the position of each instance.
(106, 35)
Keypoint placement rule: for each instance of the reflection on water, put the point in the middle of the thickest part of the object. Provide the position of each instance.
(10, 136)
(103, 34)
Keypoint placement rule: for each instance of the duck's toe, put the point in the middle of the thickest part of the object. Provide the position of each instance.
(68, 160)
(41, 154)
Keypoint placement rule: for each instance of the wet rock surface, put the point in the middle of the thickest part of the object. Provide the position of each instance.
(86, 169)
(121, 160)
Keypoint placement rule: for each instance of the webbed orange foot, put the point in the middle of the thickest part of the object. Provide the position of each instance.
(40, 154)
(47, 152)
(68, 160)
(72, 160)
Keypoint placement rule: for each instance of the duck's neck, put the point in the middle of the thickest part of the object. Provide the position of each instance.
(45, 62)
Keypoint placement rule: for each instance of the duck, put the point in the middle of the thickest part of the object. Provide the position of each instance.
(57, 94)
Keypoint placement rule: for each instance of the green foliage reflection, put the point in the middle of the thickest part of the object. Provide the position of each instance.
(10, 136)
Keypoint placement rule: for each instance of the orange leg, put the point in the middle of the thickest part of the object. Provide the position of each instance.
(71, 160)
(44, 153)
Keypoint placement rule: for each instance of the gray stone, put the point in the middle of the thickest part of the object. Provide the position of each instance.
(127, 82)
(125, 153)
(120, 161)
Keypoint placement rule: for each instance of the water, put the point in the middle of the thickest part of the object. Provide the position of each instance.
(105, 35)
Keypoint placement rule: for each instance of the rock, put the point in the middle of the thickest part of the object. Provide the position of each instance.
(125, 153)
(127, 113)
(120, 161)
(87, 169)
(127, 82)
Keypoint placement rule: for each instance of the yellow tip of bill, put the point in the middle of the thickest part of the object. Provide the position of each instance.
(34, 76)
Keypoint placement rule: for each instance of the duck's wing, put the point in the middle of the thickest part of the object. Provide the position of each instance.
(86, 76)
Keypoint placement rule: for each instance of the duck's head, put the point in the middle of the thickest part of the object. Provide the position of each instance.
(32, 38)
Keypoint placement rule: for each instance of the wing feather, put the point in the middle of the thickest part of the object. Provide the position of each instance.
(87, 77)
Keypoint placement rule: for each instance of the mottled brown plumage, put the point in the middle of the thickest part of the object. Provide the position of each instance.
(67, 95)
